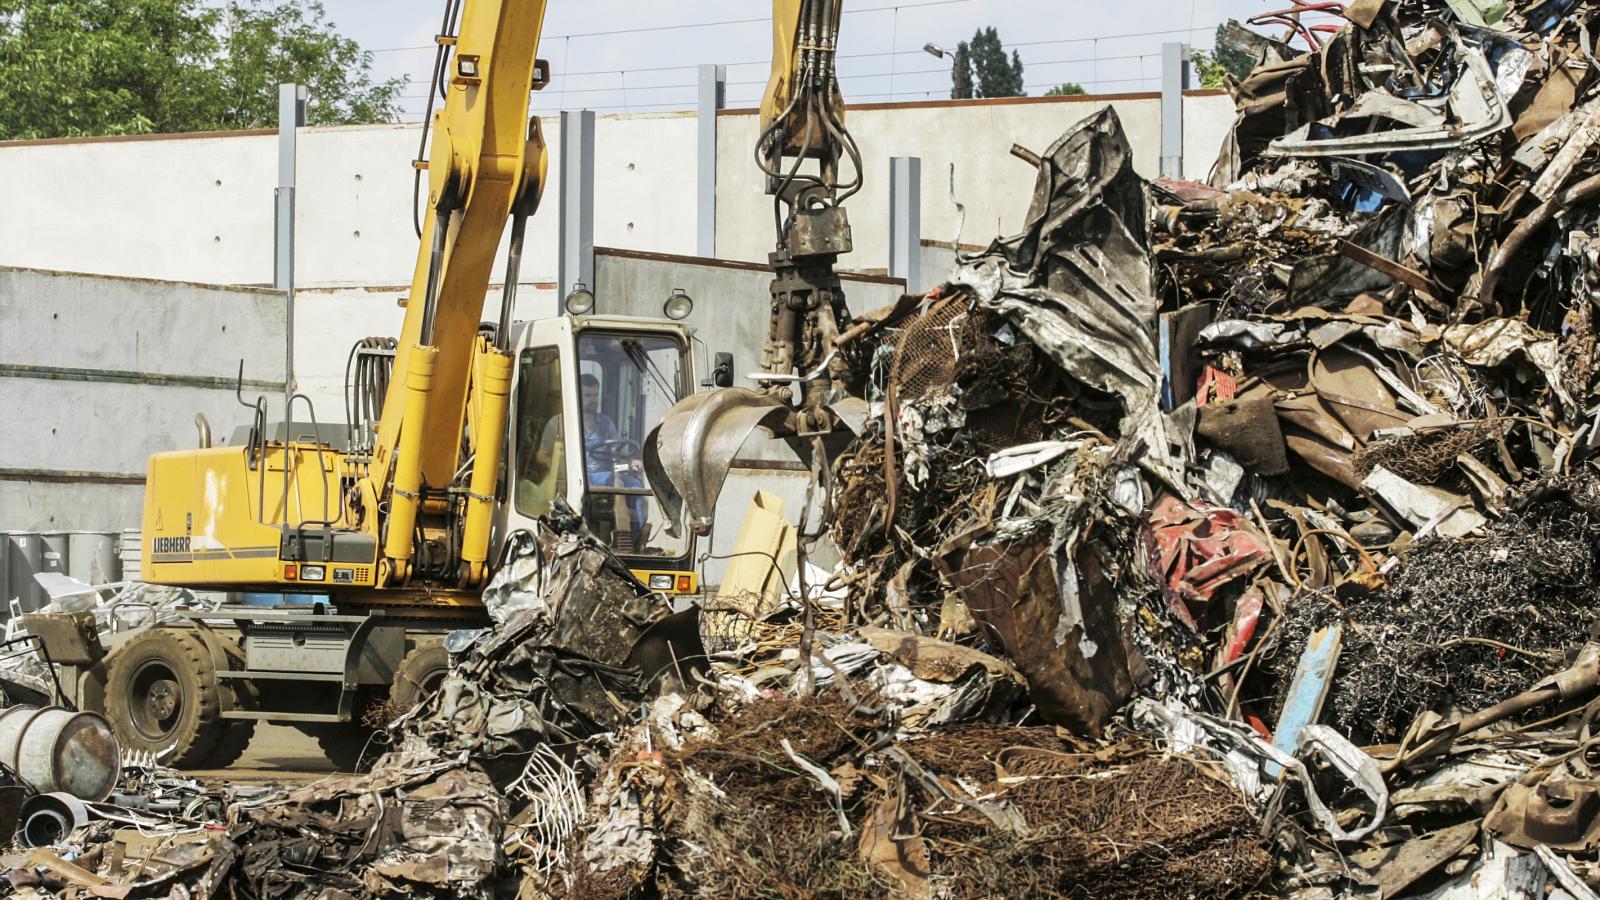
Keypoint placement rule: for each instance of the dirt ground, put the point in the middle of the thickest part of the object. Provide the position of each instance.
(277, 753)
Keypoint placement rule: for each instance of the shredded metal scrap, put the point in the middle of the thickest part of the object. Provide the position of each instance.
(1160, 507)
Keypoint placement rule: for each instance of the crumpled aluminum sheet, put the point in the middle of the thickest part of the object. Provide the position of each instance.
(424, 822)
(1248, 759)
(1077, 280)
(577, 632)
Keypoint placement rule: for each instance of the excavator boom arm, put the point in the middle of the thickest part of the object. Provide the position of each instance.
(486, 162)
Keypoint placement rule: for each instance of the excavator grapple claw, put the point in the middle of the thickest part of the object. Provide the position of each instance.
(687, 456)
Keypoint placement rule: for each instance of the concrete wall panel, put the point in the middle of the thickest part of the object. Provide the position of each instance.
(135, 360)
(194, 209)
(78, 506)
(166, 328)
(76, 426)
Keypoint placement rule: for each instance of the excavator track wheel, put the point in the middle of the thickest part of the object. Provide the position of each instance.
(162, 694)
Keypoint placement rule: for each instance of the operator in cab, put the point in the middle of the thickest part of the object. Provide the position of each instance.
(601, 465)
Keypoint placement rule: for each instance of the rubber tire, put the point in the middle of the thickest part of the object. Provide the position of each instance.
(341, 742)
(199, 728)
(236, 737)
(236, 733)
(418, 674)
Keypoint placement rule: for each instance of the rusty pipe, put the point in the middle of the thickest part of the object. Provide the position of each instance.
(1587, 189)
(1026, 155)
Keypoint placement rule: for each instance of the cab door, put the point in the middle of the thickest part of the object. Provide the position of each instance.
(542, 465)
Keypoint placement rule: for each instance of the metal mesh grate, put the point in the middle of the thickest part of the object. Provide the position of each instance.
(925, 358)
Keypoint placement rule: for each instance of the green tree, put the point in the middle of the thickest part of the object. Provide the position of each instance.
(90, 67)
(264, 45)
(1068, 89)
(1229, 58)
(982, 70)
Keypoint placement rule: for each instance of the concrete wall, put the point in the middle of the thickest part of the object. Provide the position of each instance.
(98, 373)
(199, 208)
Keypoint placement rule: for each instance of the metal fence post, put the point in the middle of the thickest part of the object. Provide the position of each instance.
(291, 116)
(713, 88)
(1174, 79)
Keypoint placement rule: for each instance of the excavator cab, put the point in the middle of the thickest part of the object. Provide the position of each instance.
(587, 390)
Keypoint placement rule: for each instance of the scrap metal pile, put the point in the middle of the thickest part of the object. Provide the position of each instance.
(1214, 540)
(1292, 471)
(585, 746)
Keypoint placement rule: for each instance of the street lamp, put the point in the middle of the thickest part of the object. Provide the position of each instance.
(935, 50)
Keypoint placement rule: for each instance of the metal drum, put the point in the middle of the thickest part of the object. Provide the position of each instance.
(54, 749)
(53, 558)
(26, 552)
(130, 554)
(92, 557)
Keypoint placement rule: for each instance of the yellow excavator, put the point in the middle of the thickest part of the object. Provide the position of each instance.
(473, 429)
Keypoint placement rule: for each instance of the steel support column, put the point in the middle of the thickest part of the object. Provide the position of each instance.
(905, 221)
(1174, 79)
(291, 117)
(577, 202)
(713, 89)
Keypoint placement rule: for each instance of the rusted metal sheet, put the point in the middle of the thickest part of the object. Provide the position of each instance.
(1014, 592)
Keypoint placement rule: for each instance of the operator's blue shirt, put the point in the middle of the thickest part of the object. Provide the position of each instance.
(598, 429)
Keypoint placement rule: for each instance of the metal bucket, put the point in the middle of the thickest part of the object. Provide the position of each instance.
(54, 749)
(92, 557)
(130, 553)
(56, 551)
(27, 550)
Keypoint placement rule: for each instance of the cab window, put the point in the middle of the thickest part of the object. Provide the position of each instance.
(541, 471)
(626, 383)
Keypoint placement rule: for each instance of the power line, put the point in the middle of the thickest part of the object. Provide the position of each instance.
(942, 71)
(857, 96)
(936, 71)
(1108, 37)
(873, 55)
(683, 25)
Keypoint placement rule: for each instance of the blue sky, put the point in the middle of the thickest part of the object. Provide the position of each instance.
(599, 63)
